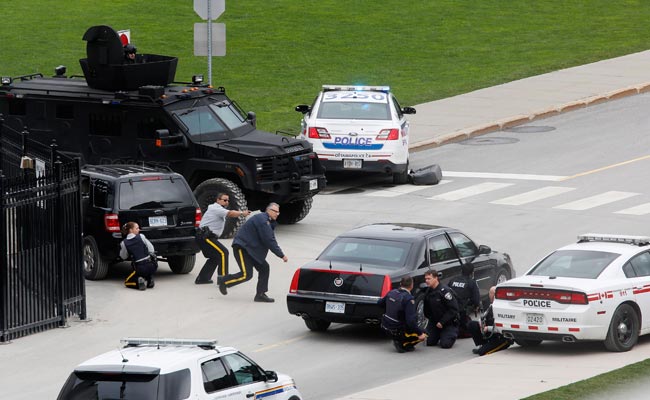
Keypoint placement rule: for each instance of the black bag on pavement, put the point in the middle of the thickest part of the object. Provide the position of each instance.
(429, 175)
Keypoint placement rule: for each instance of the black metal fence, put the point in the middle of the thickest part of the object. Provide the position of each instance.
(41, 266)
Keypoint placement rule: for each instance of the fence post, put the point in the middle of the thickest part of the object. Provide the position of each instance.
(53, 152)
(4, 264)
(2, 123)
(58, 175)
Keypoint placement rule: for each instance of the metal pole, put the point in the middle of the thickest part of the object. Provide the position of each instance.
(209, 43)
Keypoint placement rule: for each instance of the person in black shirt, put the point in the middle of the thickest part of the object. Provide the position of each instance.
(400, 319)
(485, 334)
(468, 297)
(441, 308)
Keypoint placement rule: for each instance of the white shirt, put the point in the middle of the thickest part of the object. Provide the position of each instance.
(215, 218)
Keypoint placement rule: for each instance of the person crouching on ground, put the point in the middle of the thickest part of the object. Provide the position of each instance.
(140, 251)
(400, 318)
(485, 334)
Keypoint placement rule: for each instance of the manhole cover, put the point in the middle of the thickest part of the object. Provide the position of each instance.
(488, 141)
(530, 129)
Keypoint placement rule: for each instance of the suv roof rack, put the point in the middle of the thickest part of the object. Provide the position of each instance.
(606, 237)
(142, 341)
(124, 169)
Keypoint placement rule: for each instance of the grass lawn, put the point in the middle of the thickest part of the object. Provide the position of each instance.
(280, 52)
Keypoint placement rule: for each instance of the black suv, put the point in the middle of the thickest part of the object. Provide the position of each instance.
(128, 113)
(159, 200)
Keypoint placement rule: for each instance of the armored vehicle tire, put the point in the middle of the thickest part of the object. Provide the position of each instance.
(206, 193)
(290, 213)
(400, 178)
(95, 266)
(317, 325)
(181, 264)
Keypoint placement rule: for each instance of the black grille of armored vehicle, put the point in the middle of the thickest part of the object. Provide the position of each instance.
(129, 113)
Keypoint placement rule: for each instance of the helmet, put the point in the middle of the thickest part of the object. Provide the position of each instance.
(467, 269)
(129, 48)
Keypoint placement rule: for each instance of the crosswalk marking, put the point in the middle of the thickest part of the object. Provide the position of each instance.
(495, 175)
(470, 191)
(595, 201)
(641, 209)
(533, 195)
(401, 189)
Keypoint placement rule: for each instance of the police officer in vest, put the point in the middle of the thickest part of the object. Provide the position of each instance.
(141, 252)
(467, 295)
(400, 318)
(441, 308)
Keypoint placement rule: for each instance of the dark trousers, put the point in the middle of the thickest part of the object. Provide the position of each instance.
(403, 339)
(216, 255)
(490, 343)
(446, 336)
(143, 269)
(246, 264)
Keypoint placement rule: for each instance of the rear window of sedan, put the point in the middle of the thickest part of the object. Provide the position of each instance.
(354, 110)
(367, 251)
(574, 264)
(156, 192)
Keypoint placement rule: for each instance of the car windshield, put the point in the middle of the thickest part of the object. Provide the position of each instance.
(112, 386)
(587, 264)
(354, 110)
(202, 124)
(155, 193)
(367, 251)
(229, 113)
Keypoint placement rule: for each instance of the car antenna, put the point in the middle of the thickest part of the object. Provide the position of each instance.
(360, 267)
(122, 355)
(330, 265)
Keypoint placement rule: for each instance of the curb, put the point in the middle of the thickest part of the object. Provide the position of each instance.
(477, 130)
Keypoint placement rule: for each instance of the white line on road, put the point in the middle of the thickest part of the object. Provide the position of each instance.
(401, 189)
(533, 195)
(470, 191)
(641, 209)
(492, 175)
(595, 201)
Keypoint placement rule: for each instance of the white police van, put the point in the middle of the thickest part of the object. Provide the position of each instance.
(358, 128)
(175, 369)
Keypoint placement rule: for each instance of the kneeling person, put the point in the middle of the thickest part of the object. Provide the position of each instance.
(441, 308)
(400, 318)
(140, 251)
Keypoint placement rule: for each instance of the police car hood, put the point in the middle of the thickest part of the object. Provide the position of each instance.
(560, 283)
(258, 143)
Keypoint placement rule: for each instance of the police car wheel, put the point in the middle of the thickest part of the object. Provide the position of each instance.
(181, 264)
(95, 266)
(623, 330)
(317, 325)
(528, 342)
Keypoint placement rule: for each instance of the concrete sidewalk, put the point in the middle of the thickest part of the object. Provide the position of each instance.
(517, 372)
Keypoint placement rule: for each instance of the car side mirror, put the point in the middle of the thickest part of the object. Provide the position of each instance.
(252, 118)
(408, 110)
(271, 376)
(303, 108)
(483, 249)
(165, 139)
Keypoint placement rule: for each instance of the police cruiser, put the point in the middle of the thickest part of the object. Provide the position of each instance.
(175, 369)
(596, 289)
(358, 128)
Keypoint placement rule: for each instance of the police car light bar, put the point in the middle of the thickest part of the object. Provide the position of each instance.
(605, 237)
(133, 341)
(352, 88)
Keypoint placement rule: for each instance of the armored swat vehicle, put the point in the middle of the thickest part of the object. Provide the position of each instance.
(133, 112)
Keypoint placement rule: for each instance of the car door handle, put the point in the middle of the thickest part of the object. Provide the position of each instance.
(249, 395)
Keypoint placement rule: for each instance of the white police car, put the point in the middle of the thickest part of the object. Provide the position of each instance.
(596, 289)
(358, 128)
(175, 369)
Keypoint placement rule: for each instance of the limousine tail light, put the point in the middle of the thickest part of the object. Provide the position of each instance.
(294, 282)
(386, 287)
(559, 296)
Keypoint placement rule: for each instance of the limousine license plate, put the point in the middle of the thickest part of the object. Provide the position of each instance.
(537, 319)
(334, 307)
(158, 221)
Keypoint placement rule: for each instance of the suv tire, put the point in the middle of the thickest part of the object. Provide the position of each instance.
(206, 193)
(181, 264)
(290, 213)
(95, 266)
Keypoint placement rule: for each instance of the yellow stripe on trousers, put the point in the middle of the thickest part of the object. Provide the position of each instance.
(499, 347)
(413, 342)
(126, 281)
(242, 268)
(223, 256)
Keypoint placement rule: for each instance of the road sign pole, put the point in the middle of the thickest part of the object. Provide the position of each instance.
(209, 43)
